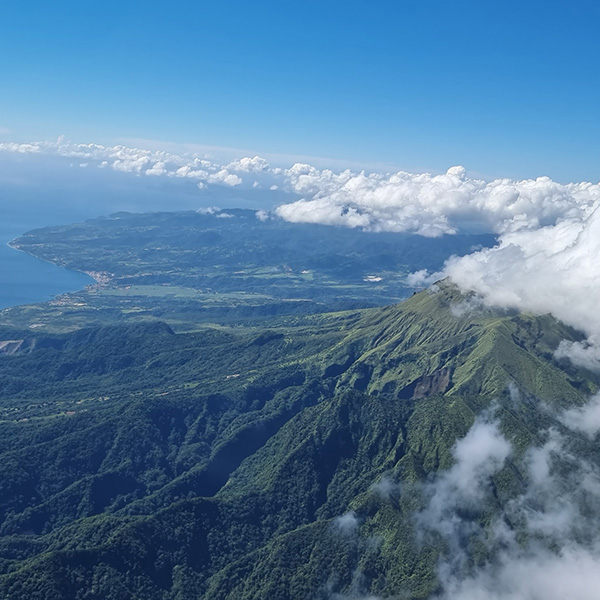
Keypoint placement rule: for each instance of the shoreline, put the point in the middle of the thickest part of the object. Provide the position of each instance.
(99, 277)
(19, 291)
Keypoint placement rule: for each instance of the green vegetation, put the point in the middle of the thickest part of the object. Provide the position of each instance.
(225, 267)
(215, 463)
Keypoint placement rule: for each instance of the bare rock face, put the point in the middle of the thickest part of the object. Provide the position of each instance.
(10, 347)
(436, 383)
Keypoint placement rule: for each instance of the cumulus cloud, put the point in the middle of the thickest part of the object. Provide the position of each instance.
(423, 203)
(249, 165)
(20, 148)
(159, 168)
(432, 205)
(144, 162)
(553, 269)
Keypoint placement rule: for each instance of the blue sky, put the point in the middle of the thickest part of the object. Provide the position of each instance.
(503, 88)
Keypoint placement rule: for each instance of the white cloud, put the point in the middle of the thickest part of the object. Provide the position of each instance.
(347, 523)
(386, 487)
(479, 455)
(223, 176)
(586, 418)
(557, 554)
(432, 205)
(467, 306)
(208, 210)
(314, 211)
(466, 485)
(420, 278)
(144, 162)
(553, 269)
(249, 165)
(20, 148)
(425, 204)
(584, 354)
(573, 573)
(157, 169)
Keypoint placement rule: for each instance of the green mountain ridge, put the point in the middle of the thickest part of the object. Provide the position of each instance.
(244, 463)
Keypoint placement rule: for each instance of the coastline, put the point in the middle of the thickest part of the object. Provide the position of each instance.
(100, 277)
(32, 282)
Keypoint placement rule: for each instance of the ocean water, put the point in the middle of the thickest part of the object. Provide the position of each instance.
(25, 279)
(40, 193)
(29, 202)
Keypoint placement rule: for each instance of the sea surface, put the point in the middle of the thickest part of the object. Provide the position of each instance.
(25, 279)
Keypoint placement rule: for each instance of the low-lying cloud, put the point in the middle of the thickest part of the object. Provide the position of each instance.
(544, 543)
(478, 456)
(585, 419)
(347, 523)
(463, 489)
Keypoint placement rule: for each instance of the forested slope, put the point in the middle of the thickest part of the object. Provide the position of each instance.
(236, 463)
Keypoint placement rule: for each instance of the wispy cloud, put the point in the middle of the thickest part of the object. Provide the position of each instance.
(544, 541)
(465, 487)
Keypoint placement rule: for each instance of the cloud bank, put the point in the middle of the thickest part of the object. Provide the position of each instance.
(423, 203)
(432, 205)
